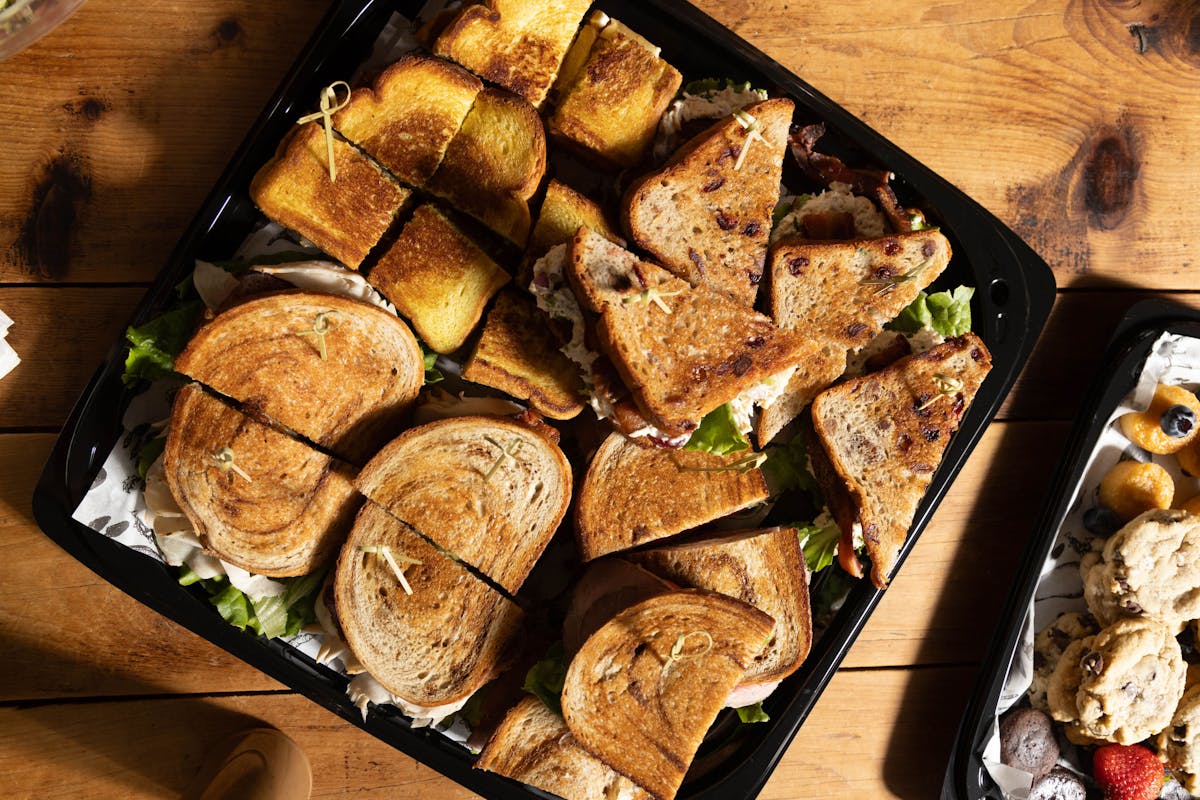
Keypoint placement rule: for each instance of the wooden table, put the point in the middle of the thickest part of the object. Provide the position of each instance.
(1075, 121)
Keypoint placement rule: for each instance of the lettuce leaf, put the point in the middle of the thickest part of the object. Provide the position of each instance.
(753, 713)
(153, 346)
(819, 545)
(545, 678)
(787, 469)
(272, 617)
(948, 313)
(148, 453)
(718, 434)
(432, 373)
(707, 86)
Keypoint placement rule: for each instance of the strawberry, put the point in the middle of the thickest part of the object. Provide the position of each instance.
(1127, 772)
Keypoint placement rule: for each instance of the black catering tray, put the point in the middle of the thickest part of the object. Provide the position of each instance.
(1015, 290)
(966, 778)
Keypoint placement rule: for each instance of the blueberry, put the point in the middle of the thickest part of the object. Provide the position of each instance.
(1101, 521)
(1178, 421)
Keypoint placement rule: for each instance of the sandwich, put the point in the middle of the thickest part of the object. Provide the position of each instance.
(563, 212)
(517, 44)
(494, 164)
(345, 217)
(339, 372)
(406, 120)
(533, 745)
(876, 440)
(490, 490)
(706, 215)
(518, 354)
(609, 107)
(764, 568)
(606, 588)
(438, 278)
(632, 495)
(419, 622)
(644, 689)
(840, 295)
(256, 498)
(681, 351)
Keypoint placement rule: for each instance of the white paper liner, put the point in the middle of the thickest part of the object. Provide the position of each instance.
(1173, 360)
(8, 357)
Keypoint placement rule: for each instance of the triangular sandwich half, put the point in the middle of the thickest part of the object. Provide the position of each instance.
(406, 120)
(339, 372)
(534, 746)
(764, 568)
(488, 489)
(876, 441)
(517, 44)
(707, 214)
(644, 689)
(345, 217)
(632, 495)
(257, 498)
(420, 623)
(841, 294)
(682, 351)
(606, 588)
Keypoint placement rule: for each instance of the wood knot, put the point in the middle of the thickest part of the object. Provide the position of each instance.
(61, 191)
(228, 32)
(1110, 170)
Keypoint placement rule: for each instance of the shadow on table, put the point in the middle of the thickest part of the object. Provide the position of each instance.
(152, 743)
(1031, 444)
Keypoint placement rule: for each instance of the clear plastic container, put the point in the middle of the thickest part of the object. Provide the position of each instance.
(23, 22)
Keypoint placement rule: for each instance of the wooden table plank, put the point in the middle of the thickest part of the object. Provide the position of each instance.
(150, 748)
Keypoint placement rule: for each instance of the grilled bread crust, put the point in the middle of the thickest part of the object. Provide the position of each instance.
(644, 689)
(533, 746)
(489, 490)
(841, 294)
(607, 587)
(346, 217)
(287, 518)
(682, 361)
(632, 495)
(705, 220)
(406, 120)
(495, 164)
(764, 568)
(438, 278)
(612, 109)
(518, 354)
(564, 211)
(264, 354)
(435, 646)
(876, 440)
(517, 44)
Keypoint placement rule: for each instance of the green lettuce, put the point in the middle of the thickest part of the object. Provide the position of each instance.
(432, 373)
(148, 453)
(718, 434)
(819, 545)
(786, 468)
(753, 713)
(270, 617)
(545, 678)
(153, 346)
(707, 86)
(948, 313)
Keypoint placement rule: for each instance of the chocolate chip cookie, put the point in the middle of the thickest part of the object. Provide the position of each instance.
(1179, 744)
(1048, 647)
(1150, 568)
(1131, 677)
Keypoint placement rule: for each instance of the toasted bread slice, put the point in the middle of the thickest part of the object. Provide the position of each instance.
(407, 119)
(490, 490)
(266, 353)
(607, 587)
(707, 214)
(438, 278)
(682, 350)
(346, 217)
(517, 44)
(876, 441)
(495, 163)
(564, 211)
(841, 294)
(432, 647)
(518, 354)
(632, 495)
(533, 746)
(257, 498)
(643, 690)
(612, 107)
(764, 568)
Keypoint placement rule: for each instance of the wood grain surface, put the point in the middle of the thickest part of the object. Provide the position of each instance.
(1074, 121)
